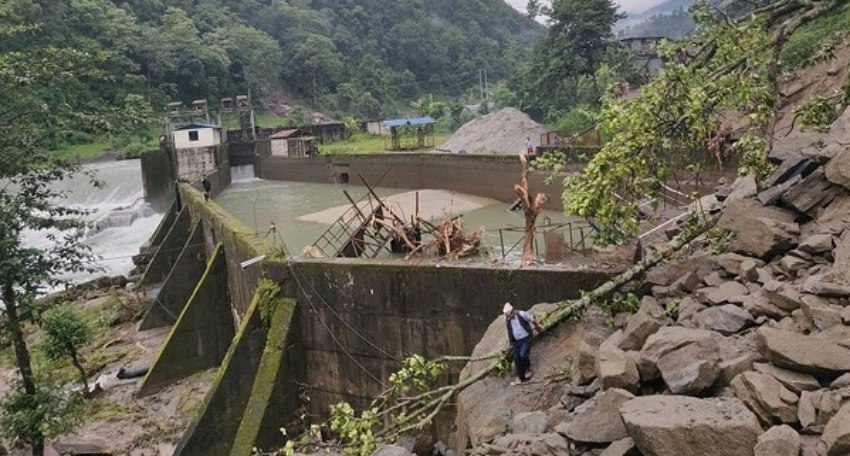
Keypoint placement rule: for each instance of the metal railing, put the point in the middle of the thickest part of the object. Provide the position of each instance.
(577, 237)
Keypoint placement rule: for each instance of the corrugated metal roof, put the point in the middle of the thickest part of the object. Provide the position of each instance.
(409, 121)
(197, 125)
(283, 134)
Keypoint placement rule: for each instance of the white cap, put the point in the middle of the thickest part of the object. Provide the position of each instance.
(508, 308)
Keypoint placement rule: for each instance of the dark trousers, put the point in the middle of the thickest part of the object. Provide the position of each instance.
(522, 357)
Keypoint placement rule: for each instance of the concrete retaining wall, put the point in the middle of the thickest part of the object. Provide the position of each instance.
(200, 338)
(427, 309)
(492, 177)
(158, 177)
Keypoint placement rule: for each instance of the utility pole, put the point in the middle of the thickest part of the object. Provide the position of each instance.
(481, 86)
(486, 90)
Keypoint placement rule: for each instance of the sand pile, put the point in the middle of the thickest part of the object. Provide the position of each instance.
(500, 132)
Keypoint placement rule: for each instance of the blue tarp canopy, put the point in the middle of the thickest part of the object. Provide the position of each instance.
(409, 121)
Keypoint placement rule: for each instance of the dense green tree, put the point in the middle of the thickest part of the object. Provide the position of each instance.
(575, 45)
(66, 334)
(37, 112)
(315, 63)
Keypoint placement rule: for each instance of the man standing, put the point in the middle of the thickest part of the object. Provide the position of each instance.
(519, 325)
(205, 183)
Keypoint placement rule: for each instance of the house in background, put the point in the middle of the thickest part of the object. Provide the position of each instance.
(197, 135)
(196, 146)
(645, 51)
(292, 143)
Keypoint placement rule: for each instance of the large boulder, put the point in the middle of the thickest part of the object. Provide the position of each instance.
(529, 422)
(838, 169)
(681, 425)
(525, 444)
(727, 319)
(764, 395)
(598, 422)
(648, 319)
(779, 441)
(392, 450)
(801, 353)
(666, 274)
(726, 292)
(584, 367)
(664, 341)
(836, 435)
(760, 231)
(615, 368)
(691, 369)
(794, 381)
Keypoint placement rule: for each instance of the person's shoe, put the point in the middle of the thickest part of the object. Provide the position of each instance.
(517, 382)
(528, 375)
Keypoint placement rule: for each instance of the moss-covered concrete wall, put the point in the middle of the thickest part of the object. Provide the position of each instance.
(213, 432)
(433, 310)
(489, 176)
(179, 284)
(169, 249)
(240, 244)
(158, 174)
(274, 394)
(203, 333)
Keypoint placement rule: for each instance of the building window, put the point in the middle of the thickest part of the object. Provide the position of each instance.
(193, 135)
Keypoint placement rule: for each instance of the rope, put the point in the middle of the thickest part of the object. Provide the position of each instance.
(333, 311)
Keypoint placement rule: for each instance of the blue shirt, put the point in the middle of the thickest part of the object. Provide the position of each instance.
(516, 327)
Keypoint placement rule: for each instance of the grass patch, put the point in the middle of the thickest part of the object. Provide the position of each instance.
(363, 143)
(809, 39)
(103, 409)
(84, 151)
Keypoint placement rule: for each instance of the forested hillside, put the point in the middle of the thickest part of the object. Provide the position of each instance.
(359, 57)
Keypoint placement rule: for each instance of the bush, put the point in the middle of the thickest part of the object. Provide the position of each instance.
(50, 412)
(65, 334)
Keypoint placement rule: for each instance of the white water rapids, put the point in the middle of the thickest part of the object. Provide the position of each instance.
(123, 221)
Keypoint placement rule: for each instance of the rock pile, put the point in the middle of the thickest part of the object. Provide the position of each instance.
(500, 132)
(745, 352)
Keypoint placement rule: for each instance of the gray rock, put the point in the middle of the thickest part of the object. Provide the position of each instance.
(845, 316)
(624, 447)
(731, 262)
(792, 265)
(765, 275)
(648, 319)
(759, 305)
(836, 435)
(529, 422)
(726, 319)
(827, 285)
(807, 408)
(820, 312)
(687, 283)
(730, 368)
(794, 381)
(760, 231)
(778, 441)
(614, 368)
(840, 382)
(817, 243)
(782, 295)
(838, 169)
(802, 353)
(749, 270)
(726, 292)
(688, 307)
(666, 274)
(528, 444)
(600, 423)
(391, 450)
(584, 367)
(811, 193)
(680, 425)
(691, 369)
(664, 341)
(764, 395)
(714, 279)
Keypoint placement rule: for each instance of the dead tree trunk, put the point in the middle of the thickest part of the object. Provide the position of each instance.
(531, 209)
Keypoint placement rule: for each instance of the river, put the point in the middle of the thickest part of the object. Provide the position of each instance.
(122, 220)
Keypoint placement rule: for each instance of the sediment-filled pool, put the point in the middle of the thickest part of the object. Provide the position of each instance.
(258, 203)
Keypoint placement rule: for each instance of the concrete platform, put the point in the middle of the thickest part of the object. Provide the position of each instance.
(433, 204)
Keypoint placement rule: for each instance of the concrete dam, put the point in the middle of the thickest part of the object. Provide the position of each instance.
(289, 334)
